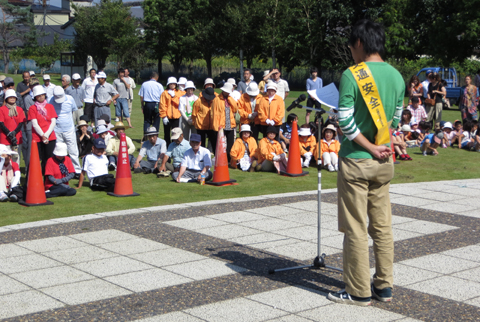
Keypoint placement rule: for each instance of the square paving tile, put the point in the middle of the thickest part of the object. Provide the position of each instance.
(206, 268)
(103, 236)
(9, 285)
(272, 211)
(341, 312)
(112, 266)
(172, 317)
(77, 218)
(52, 276)
(424, 227)
(51, 244)
(470, 274)
(470, 213)
(134, 246)
(85, 291)
(26, 263)
(414, 201)
(237, 216)
(449, 287)
(400, 220)
(228, 231)
(404, 275)
(302, 232)
(291, 299)
(256, 239)
(231, 310)
(25, 303)
(440, 263)
(448, 207)
(271, 224)
(442, 196)
(307, 218)
(471, 253)
(79, 255)
(12, 250)
(302, 250)
(290, 318)
(167, 257)
(148, 280)
(475, 301)
(195, 223)
(399, 234)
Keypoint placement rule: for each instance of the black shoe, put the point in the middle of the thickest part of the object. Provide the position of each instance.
(384, 295)
(138, 170)
(155, 171)
(147, 170)
(343, 297)
(13, 198)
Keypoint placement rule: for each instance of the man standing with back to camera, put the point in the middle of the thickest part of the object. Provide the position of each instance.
(371, 100)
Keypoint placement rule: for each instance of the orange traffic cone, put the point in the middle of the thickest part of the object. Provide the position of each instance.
(294, 165)
(35, 187)
(221, 177)
(123, 180)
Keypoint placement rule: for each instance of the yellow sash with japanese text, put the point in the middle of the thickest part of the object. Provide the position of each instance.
(364, 78)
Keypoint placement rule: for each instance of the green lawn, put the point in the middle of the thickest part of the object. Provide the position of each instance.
(450, 164)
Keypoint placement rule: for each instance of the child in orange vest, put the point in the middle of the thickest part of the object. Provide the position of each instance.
(307, 144)
(270, 154)
(243, 153)
(329, 149)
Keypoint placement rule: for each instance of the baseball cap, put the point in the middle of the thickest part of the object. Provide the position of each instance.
(99, 143)
(46, 77)
(8, 81)
(176, 132)
(76, 76)
(101, 75)
(2, 78)
(32, 73)
(438, 137)
(448, 125)
(194, 137)
(59, 94)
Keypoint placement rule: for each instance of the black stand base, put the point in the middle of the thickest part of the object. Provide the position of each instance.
(304, 173)
(120, 196)
(318, 262)
(221, 183)
(23, 203)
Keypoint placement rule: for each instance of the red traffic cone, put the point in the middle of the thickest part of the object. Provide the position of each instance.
(35, 187)
(294, 165)
(221, 177)
(123, 180)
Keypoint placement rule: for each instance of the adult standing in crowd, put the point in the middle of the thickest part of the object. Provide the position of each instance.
(242, 85)
(122, 85)
(186, 108)
(2, 92)
(263, 82)
(282, 85)
(201, 115)
(366, 167)
(78, 94)
(271, 110)
(12, 123)
(130, 90)
(248, 108)
(88, 86)
(66, 79)
(48, 86)
(469, 100)
(65, 106)
(10, 84)
(425, 84)
(415, 88)
(222, 115)
(24, 87)
(103, 96)
(150, 93)
(437, 92)
(313, 83)
(27, 133)
(169, 113)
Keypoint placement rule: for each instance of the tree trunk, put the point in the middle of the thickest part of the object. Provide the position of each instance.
(208, 59)
(249, 61)
(274, 61)
(160, 68)
(6, 60)
(190, 69)
(241, 64)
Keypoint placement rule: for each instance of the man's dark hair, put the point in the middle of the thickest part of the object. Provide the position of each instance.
(26, 72)
(371, 35)
(247, 70)
(415, 99)
(313, 70)
(90, 71)
(153, 75)
(121, 70)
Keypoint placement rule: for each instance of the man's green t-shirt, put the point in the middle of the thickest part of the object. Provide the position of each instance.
(354, 116)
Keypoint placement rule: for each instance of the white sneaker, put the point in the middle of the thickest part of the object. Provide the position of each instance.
(3, 197)
(331, 168)
(424, 153)
(117, 119)
(336, 167)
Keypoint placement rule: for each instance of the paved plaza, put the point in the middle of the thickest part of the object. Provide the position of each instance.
(209, 261)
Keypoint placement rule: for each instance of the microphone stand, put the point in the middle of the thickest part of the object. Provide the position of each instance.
(319, 261)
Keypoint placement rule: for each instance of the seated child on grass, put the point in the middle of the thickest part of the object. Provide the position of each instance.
(466, 139)
(329, 149)
(270, 155)
(425, 128)
(457, 132)
(243, 154)
(58, 172)
(286, 131)
(307, 143)
(95, 165)
(431, 142)
(448, 134)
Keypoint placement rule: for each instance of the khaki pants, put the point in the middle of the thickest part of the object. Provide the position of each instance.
(435, 113)
(363, 186)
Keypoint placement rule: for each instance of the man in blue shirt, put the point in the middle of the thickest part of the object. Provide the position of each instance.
(65, 129)
(154, 148)
(77, 92)
(176, 151)
(149, 99)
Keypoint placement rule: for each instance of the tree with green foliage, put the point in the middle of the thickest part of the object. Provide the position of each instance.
(16, 25)
(45, 56)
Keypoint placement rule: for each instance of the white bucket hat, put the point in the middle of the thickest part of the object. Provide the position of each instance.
(448, 125)
(252, 89)
(38, 90)
(59, 94)
(246, 127)
(232, 81)
(5, 150)
(60, 149)
(76, 76)
(208, 81)
(272, 85)
(101, 75)
(46, 77)
(304, 132)
(227, 88)
(10, 93)
(190, 84)
(182, 81)
(171, 80)
(101, 128)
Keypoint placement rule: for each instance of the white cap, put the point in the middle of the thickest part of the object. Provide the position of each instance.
(406, 128)
(38, 90)
(171, 80)
(59, 94)
(182, 81)
(190, 84)
(32, 73)
(272, 85)
(227, 88)
(76, 76)
(10, 93)
(208, 81)
(101, 122)
(232, 81)
(5, 150)
(60, 148)
(304, 132)
(252, 89)
(447, 125)
(101, 75)
(46, 77)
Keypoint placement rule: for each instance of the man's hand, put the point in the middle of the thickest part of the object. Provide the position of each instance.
(115, 153)
(136, 165)
(161, 168)
(287, 141)
(178, 179)
(109, 102)
(381, 151)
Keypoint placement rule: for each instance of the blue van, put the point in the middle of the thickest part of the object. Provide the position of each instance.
(449, 74)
